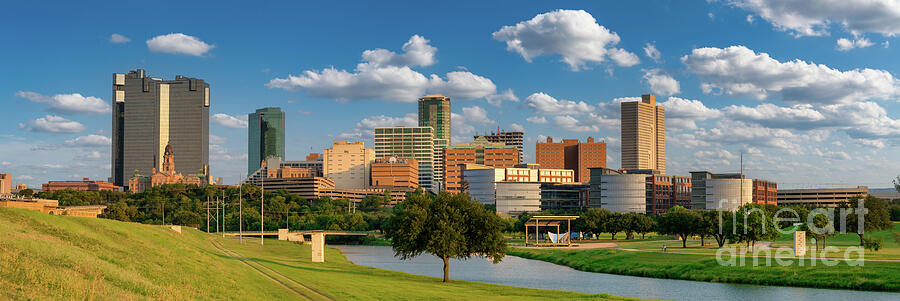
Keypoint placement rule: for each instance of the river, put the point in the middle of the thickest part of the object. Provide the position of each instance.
(521, 272)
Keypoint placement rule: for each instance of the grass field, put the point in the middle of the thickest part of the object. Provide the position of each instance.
(53, 257)
(876, 274)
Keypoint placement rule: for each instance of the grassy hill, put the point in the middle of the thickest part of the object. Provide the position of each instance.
(53, 257)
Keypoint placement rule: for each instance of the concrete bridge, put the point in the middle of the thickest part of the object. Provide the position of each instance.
(316, 238)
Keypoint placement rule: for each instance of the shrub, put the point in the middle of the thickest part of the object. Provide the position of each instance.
(873, 244)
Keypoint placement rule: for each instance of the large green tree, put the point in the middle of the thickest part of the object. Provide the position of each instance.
(447, 226)
(875, 217)
(595, 220)
(679, 221)
(751, 223)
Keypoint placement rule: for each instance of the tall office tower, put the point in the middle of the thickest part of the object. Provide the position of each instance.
(507, 138)
(5, 183)
(348, 164)
(150, 113)
(409, 142)
(434, 112)
(265, 136)
(480, 151)
(644, 135)
(571, 154)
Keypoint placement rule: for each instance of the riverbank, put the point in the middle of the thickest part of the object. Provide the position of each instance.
(874, 275)
(60, 257)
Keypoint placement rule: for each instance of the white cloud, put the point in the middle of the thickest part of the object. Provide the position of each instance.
(876, 143)
(179, 43)
(573, 34)
(737, 70)
(660, 83)
(684, 113)
(517, 127)
(68, 103)
(813, 18)
(382, 76)
(536, 119)
(545, 104)
(749, 134)
(844, 44)
(750, 19)
(463, 123)
(118, 39)
(366, 127)
(590, 124)
(91, 140)
(229, 121)
(213, 139)
(416, 52)
(220, 153)
(858, 120)
(831, 154)
(651, 52)
(498, 99)
(55, 124)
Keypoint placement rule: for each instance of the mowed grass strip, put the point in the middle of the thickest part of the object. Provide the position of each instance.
(878, 276)
(66, 258)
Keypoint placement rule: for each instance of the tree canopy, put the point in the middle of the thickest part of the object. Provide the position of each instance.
(679, 221)
(448, 226)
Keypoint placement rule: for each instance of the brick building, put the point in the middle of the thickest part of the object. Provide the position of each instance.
(395, 173)
(765, 192)
(480, 151)
(507, 138)
(571, 154)
(83, 185)
(5, 183)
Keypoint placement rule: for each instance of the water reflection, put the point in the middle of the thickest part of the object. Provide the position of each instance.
(517, 271)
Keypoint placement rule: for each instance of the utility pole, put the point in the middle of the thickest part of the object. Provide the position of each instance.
(241, 205)
(742, 178)
(217, 213)
(262, 200)
(223, 213)
(207, 213)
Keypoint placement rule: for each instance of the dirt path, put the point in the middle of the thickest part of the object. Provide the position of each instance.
(303, 292)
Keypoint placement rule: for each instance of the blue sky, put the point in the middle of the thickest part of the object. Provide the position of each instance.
(809, 96)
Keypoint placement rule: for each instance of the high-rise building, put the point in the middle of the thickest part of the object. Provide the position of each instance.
(265, 136)
(571, 154)
(507, 138)
(434, 111)
(409, 142)
(480, 151)
(349, 164)
(150, 113)
(644, 135)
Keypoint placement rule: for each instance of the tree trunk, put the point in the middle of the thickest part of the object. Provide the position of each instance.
(860, 239)
(720, 240)
(702, 241)
(642, 235)
(446, 269)
(684, 240)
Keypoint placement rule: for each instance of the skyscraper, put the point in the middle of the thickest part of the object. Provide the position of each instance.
(150, 113)
(409, 142)
(265, 136)
(571, 154)
(644, 135)
(481, 151)
(434, 112)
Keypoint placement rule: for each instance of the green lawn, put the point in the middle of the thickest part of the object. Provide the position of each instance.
(651, 262)
(53, 257)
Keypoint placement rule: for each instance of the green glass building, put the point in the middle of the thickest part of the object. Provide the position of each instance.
(434, 111)
(265, 135)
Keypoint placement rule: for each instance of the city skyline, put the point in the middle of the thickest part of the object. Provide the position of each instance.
(792, 124)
